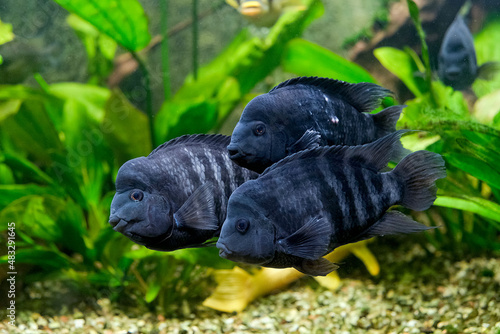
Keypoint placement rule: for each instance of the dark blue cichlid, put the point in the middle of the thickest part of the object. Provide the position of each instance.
(309, 203)
(307, 112)
(457, 63)
(176, 197)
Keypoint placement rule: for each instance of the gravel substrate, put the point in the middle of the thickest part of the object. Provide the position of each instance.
(418, 295)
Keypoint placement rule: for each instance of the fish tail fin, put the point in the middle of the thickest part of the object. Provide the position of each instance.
(419, 172)
(488, 70)
(232, 292)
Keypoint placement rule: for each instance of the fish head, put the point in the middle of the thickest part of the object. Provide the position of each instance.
(247, 235)
(137, 210)
(457, 63)
(257, 140)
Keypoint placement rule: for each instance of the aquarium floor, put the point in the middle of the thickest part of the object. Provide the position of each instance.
(414, 293)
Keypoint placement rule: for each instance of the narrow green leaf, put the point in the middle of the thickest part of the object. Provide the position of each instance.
(42, 257)
(308, 59)
(8, 108)
(123, 20)
(475, 167)
(476, 205)
(13, 192)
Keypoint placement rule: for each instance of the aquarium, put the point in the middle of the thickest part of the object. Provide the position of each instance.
(237, 166)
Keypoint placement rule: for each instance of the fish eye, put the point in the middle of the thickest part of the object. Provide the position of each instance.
(136, 195)
(242, 225)
(259, 129)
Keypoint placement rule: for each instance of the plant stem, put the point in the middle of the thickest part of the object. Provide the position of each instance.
(149, 98)
(164, 50)
(195, 39)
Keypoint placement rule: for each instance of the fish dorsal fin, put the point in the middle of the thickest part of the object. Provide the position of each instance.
(198, 212)
(215, 140)
(364, 96)
(310, 241)
(374, 155)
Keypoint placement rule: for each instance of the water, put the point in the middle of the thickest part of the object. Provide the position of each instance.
(64, 132)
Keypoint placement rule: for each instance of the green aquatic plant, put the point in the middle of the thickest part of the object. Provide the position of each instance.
(468, 139)
(62, 144)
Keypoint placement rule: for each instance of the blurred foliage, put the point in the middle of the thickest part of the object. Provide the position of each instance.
(61, 145)
(468, 139)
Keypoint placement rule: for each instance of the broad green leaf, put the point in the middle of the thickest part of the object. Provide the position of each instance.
(305, 58)
(487, 49)
(32, 130)
(476, 205)
(93, 98)
(125, 128)
(6, 34)
(177, 118)
(402, 65)
(122, 20)
(487, 107)
(8, 108)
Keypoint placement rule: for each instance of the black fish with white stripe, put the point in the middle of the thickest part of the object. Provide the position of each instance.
(309, 203)
(307, 112)
(176, 197)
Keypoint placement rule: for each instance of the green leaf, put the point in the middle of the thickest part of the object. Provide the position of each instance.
(487, 107)
(305, 58)
(153, 290)
(8, 108)
(475, 167)
(126, 128)
(42, 257)
(32, 130)
(122, 20)
(6, 34)
(476, 205)
(184, 117)
(13, 192)
(402, 65)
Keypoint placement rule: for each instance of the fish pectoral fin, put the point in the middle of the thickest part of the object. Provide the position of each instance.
(198, 212)
(310, 139)
(393, 222)
(318, 267)
(310, 241)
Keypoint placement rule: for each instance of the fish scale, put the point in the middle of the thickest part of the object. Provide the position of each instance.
(313, 201)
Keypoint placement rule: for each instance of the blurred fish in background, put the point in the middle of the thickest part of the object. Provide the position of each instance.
(457, 63)
(264, 13)
(237, 288)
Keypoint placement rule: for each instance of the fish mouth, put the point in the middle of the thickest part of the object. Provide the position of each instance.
(224, 252)
(235, 152)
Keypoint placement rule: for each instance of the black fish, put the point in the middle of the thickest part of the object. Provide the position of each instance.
(309, 203)
(457, 63)
(307, 112)
(176, 197)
